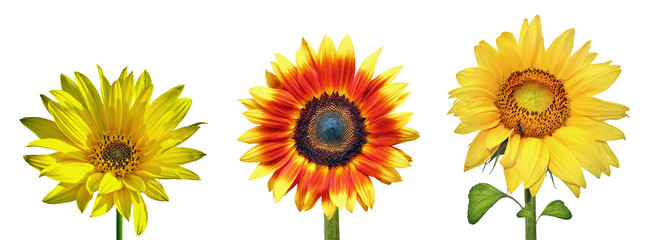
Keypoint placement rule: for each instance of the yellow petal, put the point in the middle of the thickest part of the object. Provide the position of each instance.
(144, 81)
(186, 174)
(581, 145)
(488, 58)
(531, 42)
(71, 172)
(180, 155)
(43, 128)
(511, 152)
(509, 50)
(109, 184)
(497, 135)
(272, 80)
(598, 130)
(563, 163)
(140, 213)
(93, 181)
(513, 178)
(250, 103)
(71, 125)
(595, 79)
(367, 68)
(478, 152)
(155, 190)
(102, 204)
(92, 98)
(537, 186)
(40, 161)
(134, 183)
(62, 193)
(559, 51)
(574, 188)
(595, 107)
(54, 144)
(83, 198)
(123, 202)
(530, 152)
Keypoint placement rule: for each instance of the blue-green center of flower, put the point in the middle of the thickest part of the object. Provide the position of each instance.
(330, 128)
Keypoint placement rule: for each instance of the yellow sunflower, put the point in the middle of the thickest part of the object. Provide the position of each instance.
(538, 108)
(326, 129)
(116, 143)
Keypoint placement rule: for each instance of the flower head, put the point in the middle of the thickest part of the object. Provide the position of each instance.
(538, 107)
(325, 129)
(117, 143)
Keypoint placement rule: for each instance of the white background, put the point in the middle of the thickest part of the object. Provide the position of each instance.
(220, 50)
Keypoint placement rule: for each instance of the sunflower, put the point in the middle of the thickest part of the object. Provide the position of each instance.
(538, 108)
(116, 143)
(325, 129)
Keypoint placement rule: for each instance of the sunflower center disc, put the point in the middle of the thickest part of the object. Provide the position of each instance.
(533, 102)
(115, 154)
(330, 130)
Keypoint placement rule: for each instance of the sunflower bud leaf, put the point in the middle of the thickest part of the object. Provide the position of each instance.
(523, 213)
(557, 209)
(482, 197)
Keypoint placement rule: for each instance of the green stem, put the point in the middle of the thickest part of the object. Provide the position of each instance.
(332, 226)
(119, 226)
(530, 222)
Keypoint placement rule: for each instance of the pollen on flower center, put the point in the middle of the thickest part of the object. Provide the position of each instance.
(330, 130)
(534, 97)
(116, 154)
(533, 102)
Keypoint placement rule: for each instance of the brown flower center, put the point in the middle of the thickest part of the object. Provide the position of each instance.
(330, 130)
(533, 102)
(115, 154)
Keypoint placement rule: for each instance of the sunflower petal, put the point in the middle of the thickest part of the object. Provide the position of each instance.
(40, 162)
(83, 197)
(109, 184)
(363, 186)
(123, 202)
(102, 204)
(497, 135)
(401, 135)
(528, 158)
(563, 163)
(180, 156)
(70, 172)
(134, 183)
(62, 193)
(43, 128)
(267, 151)
(478, 152)
(140, 213)
(286, 176)
(594, 107)
(559, 51)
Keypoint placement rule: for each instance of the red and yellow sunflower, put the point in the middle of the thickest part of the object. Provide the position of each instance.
(327, 129)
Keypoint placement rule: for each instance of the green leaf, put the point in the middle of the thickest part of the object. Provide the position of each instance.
(482, 196)
(523, 213)
(557, 209)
